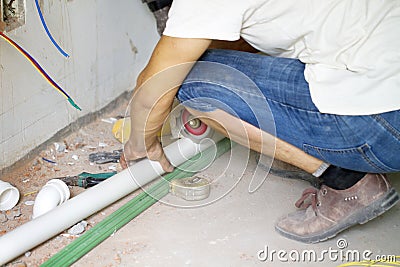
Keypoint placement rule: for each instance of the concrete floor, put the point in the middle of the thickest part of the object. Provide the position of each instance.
(232, 230)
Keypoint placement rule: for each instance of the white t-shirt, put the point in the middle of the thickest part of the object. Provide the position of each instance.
(351, 48)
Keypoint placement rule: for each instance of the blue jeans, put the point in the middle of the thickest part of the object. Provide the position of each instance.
(272, 94)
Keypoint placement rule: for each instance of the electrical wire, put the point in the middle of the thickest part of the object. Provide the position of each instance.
(48, 31)
(39, 69)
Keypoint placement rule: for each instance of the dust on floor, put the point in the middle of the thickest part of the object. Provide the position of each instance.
(228, 232)
(66, 157)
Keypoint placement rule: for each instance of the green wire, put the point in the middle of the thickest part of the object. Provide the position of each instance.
(74, 104)
(93, 237)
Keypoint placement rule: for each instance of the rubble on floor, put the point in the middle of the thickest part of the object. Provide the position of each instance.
(66, 157)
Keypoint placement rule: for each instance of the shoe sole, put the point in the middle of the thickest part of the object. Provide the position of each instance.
(366, 214)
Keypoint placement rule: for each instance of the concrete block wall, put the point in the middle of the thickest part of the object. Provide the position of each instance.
(109, 42)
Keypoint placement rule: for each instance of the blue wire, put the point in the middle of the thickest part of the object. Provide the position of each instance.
(49, 161)
(48, 32)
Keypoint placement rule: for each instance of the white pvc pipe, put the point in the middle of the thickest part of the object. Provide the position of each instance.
(9, 196)
(52, 194)
(42, 228)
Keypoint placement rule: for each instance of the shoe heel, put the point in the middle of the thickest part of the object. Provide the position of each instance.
(390, 200)
(387, 202)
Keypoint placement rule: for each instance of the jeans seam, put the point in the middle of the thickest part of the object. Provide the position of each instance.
(359, 149)
(386, 125)
(367, 159)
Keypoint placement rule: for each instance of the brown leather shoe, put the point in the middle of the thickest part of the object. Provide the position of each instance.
(332, 211)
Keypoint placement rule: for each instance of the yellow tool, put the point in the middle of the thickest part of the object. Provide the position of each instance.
(122, 129)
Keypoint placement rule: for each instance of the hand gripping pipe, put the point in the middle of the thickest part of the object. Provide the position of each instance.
(42, 228)
(134, 207)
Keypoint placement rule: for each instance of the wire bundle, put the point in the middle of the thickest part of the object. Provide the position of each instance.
(39, 69)
(35, 64)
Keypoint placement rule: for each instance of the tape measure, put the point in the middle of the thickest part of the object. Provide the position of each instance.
(191, 188)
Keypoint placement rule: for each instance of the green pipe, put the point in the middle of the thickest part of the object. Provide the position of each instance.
(94, 236)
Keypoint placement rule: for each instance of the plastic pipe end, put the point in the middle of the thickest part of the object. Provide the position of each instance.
(52, 194)
(9, 196)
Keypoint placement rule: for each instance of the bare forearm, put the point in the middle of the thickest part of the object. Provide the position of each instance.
(148, 113)
(156, 88)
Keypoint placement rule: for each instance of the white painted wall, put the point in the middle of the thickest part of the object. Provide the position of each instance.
(109, 43)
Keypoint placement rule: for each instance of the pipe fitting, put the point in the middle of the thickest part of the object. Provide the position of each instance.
(93, 199)
(52, 194)
(9, 196)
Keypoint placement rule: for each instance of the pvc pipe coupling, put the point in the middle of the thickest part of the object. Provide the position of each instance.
(9, 196)
(52, 194)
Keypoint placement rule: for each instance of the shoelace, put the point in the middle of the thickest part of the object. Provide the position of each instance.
(309, 192)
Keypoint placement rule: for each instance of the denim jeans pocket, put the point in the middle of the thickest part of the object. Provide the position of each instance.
(360, 158)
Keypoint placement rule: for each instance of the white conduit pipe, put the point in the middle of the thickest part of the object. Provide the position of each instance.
(42, 228)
